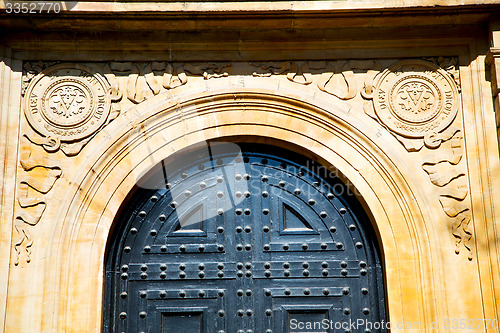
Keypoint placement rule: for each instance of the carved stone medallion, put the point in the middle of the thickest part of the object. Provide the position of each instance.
(69, 102)
(415, 97)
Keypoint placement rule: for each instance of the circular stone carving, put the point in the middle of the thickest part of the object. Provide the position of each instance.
(415, 97)
(69, 102)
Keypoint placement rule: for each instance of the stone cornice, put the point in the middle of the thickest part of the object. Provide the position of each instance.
(264, 6)
(296, 15)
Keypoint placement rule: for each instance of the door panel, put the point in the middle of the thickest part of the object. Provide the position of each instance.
(242, 243)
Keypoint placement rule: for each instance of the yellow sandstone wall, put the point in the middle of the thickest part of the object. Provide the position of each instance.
(399, 97)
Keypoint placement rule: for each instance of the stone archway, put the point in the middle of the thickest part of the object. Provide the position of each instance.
(320, 130)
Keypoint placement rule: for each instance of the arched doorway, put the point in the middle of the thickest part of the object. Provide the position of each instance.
(239, 239)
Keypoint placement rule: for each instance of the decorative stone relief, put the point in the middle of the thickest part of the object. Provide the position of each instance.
(333, 77)
(140, 81)
(65, 106)
(414, 98)
(339, 80)
(174, 76)
(450, 65)
(417, 102)
(209, 70)
(68, 104)
(297, 72)
(142, 78)
(39, 176)
(442, 166)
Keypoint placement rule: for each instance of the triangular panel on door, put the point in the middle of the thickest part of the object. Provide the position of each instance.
(295, 223)
(190, 223)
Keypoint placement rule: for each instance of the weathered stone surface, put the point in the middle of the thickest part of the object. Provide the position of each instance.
(406, 115)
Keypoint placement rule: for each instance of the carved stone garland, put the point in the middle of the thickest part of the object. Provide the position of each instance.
(142, 81)
(415, 100)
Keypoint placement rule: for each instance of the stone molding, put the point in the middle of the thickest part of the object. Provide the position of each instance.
(10, 88)
(493, 61)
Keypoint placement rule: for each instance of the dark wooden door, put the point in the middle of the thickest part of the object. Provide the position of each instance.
(261, 240)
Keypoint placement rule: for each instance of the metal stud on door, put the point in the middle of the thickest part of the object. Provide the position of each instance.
(265, 241)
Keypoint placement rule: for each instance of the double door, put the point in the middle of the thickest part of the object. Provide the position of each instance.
(244, 243)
